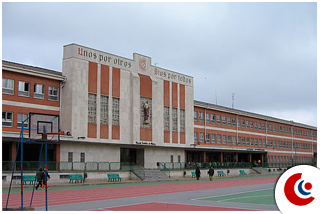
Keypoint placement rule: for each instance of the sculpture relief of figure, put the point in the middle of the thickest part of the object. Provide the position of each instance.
(146, 108)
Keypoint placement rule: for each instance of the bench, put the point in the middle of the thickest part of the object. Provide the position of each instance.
(76, 178)
(193, 174)
(114, 177)
(242, 172)
(221, 173)
(30, 178)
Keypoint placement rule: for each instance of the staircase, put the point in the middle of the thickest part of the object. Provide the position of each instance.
(153, 174)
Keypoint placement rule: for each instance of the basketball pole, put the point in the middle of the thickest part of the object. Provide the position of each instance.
(21, 167)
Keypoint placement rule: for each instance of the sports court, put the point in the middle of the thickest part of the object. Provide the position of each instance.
(255, 193)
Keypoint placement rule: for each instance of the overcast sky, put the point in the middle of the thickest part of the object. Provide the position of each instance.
(264, 53)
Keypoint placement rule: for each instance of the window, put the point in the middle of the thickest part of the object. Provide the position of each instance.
(195, 116)
(201, 137)
(243, 141)
(53, 93)
(248, 126)
(219, 139)
(104, 110)
(229, 121)
(255, 125)
(7, 119)
(24, 89)
(174, 119)
(238, 123)
(21, 118)
(115, 111)
(213, 119)
(224, 139)
(92, 108)
(182, 120)
(213, 138)
(179, 159)
(207, 138)
(166, 118)
(243, 123)
(196, 137)
(171, 157)
(39, 91)
(234, 140)
(229, 140)
(70, 156)
(7, 86)
(224, 122)
(207, 117)
(233, 121)
(259, 126)
(82, 157)
(201, 115)
(218, 119)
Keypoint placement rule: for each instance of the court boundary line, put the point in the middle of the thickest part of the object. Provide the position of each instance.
(243, 197)
(229, 194)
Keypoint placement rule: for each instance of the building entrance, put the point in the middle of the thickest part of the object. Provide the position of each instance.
(132, 156)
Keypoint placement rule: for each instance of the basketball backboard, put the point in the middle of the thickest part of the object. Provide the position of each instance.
(44, 127)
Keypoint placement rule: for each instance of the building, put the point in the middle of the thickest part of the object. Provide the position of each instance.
(115, 109)
(27, 89)
(231, 135)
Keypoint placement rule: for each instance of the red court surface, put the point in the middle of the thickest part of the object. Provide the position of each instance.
(107, 192)
(168, 207)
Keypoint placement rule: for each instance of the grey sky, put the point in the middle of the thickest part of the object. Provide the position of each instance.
(265, 53)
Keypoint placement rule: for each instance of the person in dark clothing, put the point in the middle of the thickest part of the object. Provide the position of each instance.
(40, 178)
(211, 173)
(198, 173)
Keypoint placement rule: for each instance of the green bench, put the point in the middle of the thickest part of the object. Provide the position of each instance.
(242, 172)
(193, 174)
(221, 173)
(30, 178)
(76, 178)
(114, 177)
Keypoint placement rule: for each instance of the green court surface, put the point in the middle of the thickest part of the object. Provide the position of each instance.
(265, 197)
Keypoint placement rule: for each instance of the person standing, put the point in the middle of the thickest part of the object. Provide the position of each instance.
(211, 173)
(198, 173)
(40, 178)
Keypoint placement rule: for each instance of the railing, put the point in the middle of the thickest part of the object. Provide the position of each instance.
(68, 166)
(138, 171)
(163, 167)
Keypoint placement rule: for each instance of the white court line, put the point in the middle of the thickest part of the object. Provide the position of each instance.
(230, 194)
(243, 197)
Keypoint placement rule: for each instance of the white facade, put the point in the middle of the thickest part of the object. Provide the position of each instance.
(74, 108)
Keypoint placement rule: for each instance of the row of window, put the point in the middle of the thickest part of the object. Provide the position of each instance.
(7, 119)
(288, 159)
(231, 121)
(247, 141)
(166, 119)
(24, 89)
(104, 100)
(82, 157)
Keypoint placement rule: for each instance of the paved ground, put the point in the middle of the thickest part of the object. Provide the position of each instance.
(226, 194)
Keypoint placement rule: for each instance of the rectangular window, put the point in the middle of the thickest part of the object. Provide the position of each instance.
(174, 119)
(82, 157)
(259, 126)
(248, 141)
(207, 138)
(21, 118)
(7, 118)
(229, 140)
(243, 123)
(229, 121)
(115, 111)
(38, 91)
(53, 93)
(256, 142)
(234, 140)
(92, 108)
(201, 137)
(224, 139)
(171, 158)
(182, 120)
(179, 159)
(224, 122)
(104, 103)
(233, 121)
(207, 117)
(213, 138)
(219, 139)
(70, 156)
(7, 86)
(24, 89)
(238, 123)
(243, 141)
(248, 125)
(239, 140)
(166, 118)
(201, 116)
(218, 119)
(196, 137)
(255, 125)
(213, 119)
(195, 116)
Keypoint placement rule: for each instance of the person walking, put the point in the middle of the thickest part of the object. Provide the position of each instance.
(198, 173)
(40, 178)
(211, 173)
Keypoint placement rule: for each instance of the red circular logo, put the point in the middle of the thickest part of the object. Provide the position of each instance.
(143, 64)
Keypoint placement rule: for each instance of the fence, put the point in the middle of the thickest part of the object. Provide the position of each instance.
(68, 166)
